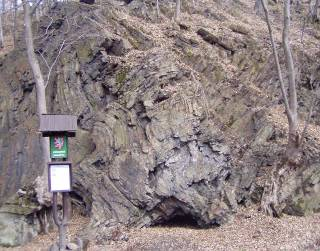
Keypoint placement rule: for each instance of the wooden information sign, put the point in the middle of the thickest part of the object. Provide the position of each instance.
(60, 176)
(59, 127)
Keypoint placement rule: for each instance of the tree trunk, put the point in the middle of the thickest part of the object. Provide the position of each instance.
(273, 201)
(14, 28)
(178, 9)
(293, 139)
(315, 16)
(1, 30)
(37, 12)
(258, 7)
(158, 9)
(298, 6)
(41, 183)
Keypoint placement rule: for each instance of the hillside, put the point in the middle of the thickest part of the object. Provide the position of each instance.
(174, 118)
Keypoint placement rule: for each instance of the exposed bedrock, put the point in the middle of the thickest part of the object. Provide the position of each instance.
(177, 121)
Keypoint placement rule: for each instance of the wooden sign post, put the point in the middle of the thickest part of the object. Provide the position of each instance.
(59, 128)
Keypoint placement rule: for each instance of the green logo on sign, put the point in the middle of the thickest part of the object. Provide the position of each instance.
(58, 147)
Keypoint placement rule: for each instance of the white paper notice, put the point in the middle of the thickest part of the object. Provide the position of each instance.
(60, 178)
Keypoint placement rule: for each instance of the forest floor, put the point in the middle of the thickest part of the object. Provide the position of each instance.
(249, 230)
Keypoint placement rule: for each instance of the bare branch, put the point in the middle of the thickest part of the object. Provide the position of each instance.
(43, 58)
(11, 9)
(49, 25)
(54, 62)
(33, 10)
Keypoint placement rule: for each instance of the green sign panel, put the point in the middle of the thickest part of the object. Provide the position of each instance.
(58, 147)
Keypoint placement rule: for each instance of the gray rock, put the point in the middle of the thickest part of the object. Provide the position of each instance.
(17, 229)
(54, 247)
(72, 246)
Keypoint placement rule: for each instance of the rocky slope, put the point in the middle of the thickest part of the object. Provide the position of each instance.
(174, 118)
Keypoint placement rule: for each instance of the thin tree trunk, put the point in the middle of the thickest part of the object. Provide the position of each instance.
(298, 6)
(310, 7)
(293, 141)
(3, 12)
(276, 57)
(158, 9)
(290, 99)
(1, 32)
(315, 16)
(14, 28)
(178, 9)
(3, 9)
(41, 183)
(258, 7)
(274, 195)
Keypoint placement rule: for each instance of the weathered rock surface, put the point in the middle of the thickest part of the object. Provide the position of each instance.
(171, 121)
(17, 229)
(18, 221)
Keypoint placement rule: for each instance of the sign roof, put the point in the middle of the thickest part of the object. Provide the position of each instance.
(53, 123)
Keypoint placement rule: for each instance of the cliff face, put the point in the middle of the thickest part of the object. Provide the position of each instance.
(173, 118)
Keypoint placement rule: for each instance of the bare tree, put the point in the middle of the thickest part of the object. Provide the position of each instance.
(274, 197)
(41, 186)
(290, 98)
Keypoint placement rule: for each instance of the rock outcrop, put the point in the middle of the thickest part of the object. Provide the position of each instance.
(19, 223)
(172, 119)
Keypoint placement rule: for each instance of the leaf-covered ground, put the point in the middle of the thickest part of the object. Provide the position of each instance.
(249, 230)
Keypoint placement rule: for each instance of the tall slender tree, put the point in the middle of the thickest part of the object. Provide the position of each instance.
(272, 199)
(289, 98)
(41, 183)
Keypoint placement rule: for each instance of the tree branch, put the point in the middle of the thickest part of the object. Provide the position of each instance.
(33, 10)
(54, 62)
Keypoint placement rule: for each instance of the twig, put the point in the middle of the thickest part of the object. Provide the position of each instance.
(54, 62)
(32, 11)
(49, 26)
